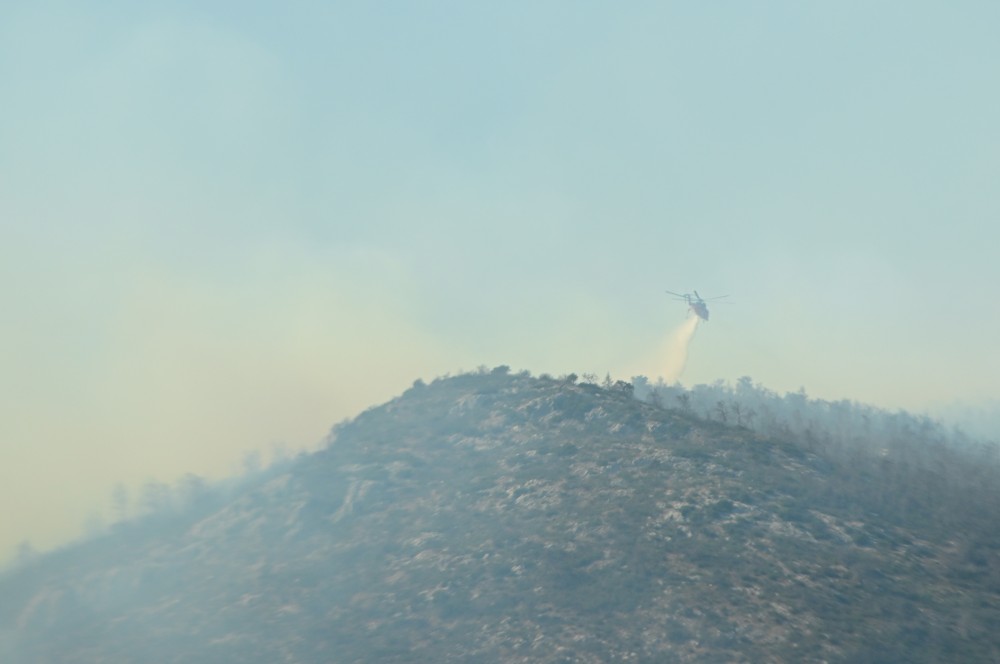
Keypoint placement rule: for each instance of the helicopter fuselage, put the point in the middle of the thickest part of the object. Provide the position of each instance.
(696, 303)
(700, 309)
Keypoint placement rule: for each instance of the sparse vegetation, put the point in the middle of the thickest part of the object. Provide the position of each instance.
(497, 517)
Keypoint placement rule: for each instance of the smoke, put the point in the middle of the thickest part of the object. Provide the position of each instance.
(667, 361)
(675, 350)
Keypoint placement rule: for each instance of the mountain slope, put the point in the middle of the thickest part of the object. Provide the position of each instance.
(493, 517)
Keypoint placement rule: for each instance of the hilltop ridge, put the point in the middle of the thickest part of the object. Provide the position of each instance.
(501, 517)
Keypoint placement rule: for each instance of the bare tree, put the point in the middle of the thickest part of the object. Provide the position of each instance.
(722, 411)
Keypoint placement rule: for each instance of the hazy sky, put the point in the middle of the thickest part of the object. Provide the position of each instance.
(226, 225)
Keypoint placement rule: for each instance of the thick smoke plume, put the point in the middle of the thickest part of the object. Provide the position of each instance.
(675, 351)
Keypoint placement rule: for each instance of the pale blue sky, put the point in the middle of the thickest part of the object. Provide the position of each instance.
(223, 227)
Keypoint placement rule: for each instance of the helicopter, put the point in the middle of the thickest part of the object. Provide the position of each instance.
(696, 302)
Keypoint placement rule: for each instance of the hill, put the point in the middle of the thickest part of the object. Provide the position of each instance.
(496, 517)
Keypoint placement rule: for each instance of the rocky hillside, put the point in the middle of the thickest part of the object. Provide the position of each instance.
(504, 518)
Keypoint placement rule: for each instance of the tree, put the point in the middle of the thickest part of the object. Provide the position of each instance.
(722, 411)
(655, 398)
(193, 490)
(119, 501)
(280, 453)
(642, 387)
(155, 497)
(25, 553)
(94, 525)
(742, 414)
(251, 462)
(623, 387)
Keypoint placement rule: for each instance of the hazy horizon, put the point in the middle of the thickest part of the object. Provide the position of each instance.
(230, 227)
